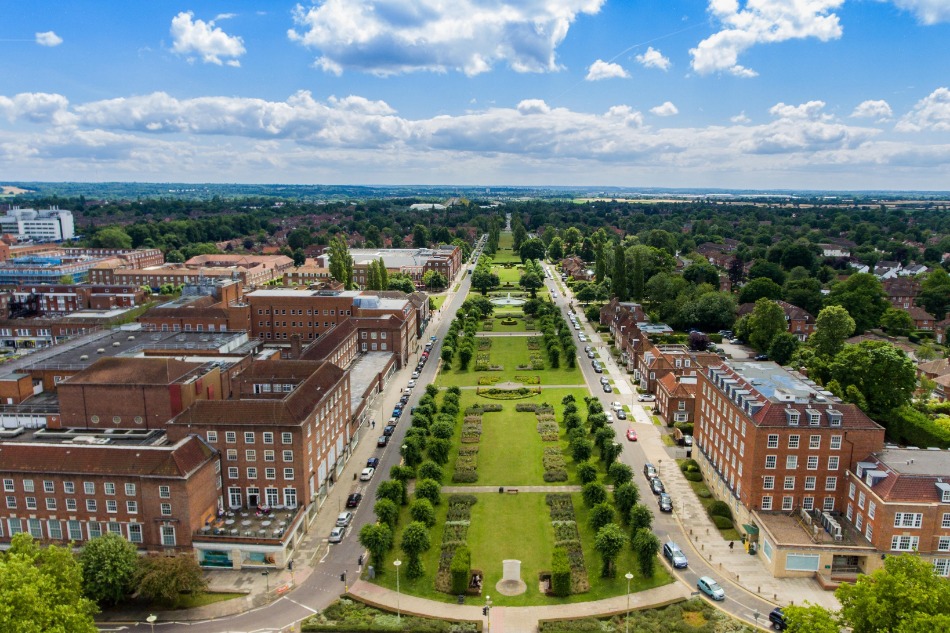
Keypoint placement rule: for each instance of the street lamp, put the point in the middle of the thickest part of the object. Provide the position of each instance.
(629, 577)
(397, 563)
(488, 613)
(151, 620)
(266, 575)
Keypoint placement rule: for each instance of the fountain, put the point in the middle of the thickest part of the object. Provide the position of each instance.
(508, 301)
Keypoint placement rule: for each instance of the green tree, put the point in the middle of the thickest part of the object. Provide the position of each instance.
(556, 249)
(391, 489)
(881, 372)
(897, 322)
(645, 545)
(881, 601)
(640, 518)
(620, 473)
(934, 294)
(429, 489)
(766, 321)
(594, 493)
(415, 541)
(863, 297)
(804, 293)
(625, 497)
(387, 511)
(832, 327)
(783, 347)
(581, 450)
(41, 590)
(108, 566)
(701, 272)
(483, 279)
(112, 237)
(532, 248)
(810, 618)
(420, 236)
(759, 288)
(618, 280)
(377, 538)
(401, 282)
(434, 280)
(341, 263)
(421, 510)
(609, 542)
(298, 238)
(586, 472)
(572, 237)
(600, 515)
(531, 281)
(764, 268)
(165, 578)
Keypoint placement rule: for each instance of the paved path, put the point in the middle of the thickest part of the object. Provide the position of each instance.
(491, 334)
(448, 490)
(515, 401)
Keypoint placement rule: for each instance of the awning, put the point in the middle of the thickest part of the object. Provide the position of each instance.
(750, 529)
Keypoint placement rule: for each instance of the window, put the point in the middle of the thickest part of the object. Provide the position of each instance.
(942, 566)
(48, 487)
(89, 488)
(31, 503)
(286, 438)
(831, 483)
(943, 544)
(166, 509)
(791, 462)
(768, 482)
(793, 441)
(835, 442)
(908, 519)
(71, 504)
(15, 526)
(789, 483)
(810, 483)
(904, 543)
(165, 492)
(135, 533)
(812, 462)
(95, 529)
(233, 472)
(75, 530)
(808, 503)
(770, 461)
(828, 504)
(109, 488)
(28, 485)
(270, 473)
(230, 437)
(90, 505)
(814, 442)
(862, 498)
(868, 531)
(945, 521)
(252, 473)
(168, 535)
(269, 456)
(232, 454)
(859, 522)
(787, 501)
(288, 473)
(249, 437)
(851, 490)
(11, 502)
(288, 456)
(814, 419)
(833, 463)
(50, 503)
(36, 528)
(112, 506)
(871, 508)
(767, 502)
(267, 437)
(8, 485)
(212, 437)
(69, 487)
(772, 441)
(250, 456)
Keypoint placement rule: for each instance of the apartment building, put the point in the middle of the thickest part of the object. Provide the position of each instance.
(59, 299)
(676, 399)
(801, 323)
(44, 225)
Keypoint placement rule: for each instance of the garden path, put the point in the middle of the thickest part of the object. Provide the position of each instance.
(448, 490)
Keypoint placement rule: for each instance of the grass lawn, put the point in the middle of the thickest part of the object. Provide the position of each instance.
(508, 275)
(504, 254)
(437, 301)
(729, 534)
(509, 352)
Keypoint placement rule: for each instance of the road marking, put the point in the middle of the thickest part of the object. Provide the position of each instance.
(323, 560)
(302, 606)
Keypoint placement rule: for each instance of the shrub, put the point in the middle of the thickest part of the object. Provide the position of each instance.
(620, 473)
(689, 465)
(430, 470)
(560, 573)
(594, 493)
(461, 569)
(693, 476)
(719, 509)
(586, 472)
(722, 522)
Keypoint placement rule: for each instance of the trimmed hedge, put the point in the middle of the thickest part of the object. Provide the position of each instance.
(722, 522)
(560, 573)
(720, 509)
(693, 476)
(461, 569)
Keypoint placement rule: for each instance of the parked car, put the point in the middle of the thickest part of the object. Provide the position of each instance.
(604, 380)
(687, 440)
(762, 357)
(616, 406)
(388, 430)
(415, 374)
(587, 348)
(621, 414)
(382, 441)
(736, 341)
(711, 588)
(665, 501)
(367, 474)
(649, 470)
(598, 369)
(372, 462)
(675, 555)
(411, 384)
(344, 519)
(631, 435)
(608, 388)
(590, 355)
(609, 416)
(657, 486)
(777, 618)
(646, 397)
(336, 534)
(353, 500)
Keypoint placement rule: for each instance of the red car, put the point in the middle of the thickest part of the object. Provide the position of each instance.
(631, 435)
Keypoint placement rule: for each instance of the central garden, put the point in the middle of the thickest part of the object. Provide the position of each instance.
(510, 410)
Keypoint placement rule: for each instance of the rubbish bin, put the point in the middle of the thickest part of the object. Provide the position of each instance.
(461, 599)
(689, 453)
(752, 549)
(372, 572)
(501, 488)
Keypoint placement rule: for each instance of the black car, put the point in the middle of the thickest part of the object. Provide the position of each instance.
(666, 502)
(390, 428)
(372, 462)
(762, 357)
(621, 414)
(353, 500)
(382, 441)
(657, 486)
(777, 618)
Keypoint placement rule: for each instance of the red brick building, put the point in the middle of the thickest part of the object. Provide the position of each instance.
(801, 323)
(50, 300)
(676, 399)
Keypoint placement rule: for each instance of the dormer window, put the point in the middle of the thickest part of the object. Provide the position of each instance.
(814, 417)
(791, 416)
(944, 491)
(834, 417)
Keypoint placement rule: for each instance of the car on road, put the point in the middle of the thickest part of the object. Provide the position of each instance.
(389, 430)
(415, 374)
(609, 416)
(777, 619)
(382, 441)
(657, 486)
(665, 502)
(762, 357)
(604, 380)
(598, 369)
(646, 397)
(582, 338)
(736, 341)
(616, 406)
(649, 470)
(687, 440)
(608, 388)
(344, 519)
(372, 462)
(411, 384)
(711, 588)
(590, 355)
(336, 534)
(587, 348)
(631, 435)
(675, 555)
(367, 474)
(621, 414)
(353, 500)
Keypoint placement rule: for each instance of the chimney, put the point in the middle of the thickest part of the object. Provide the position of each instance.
(295, 346)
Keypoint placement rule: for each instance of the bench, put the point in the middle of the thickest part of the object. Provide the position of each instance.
(511, 491)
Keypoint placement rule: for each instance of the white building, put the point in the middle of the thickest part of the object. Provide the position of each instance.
(47, 225)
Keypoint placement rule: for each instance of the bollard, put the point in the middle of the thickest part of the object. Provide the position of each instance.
(774, 597)
(758, 589)
(702, 546)
(737, 577)
(710, 558)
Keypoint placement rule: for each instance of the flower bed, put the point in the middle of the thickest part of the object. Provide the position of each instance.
(534, 343)
(528, 380)
(484, 344)
(566, 535)
(524, 407)
(537, 362)
(471, 429)
(453, 535)
(478, 409)
(488, 380)
(555, 467)
(508, 394)
(549, 430)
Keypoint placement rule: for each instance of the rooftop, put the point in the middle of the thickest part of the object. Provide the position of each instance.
(778, 384)
(908, 461)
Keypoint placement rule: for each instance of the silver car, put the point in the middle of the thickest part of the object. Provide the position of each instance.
(336, 534)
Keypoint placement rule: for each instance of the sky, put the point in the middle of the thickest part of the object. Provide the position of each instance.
(730, 94)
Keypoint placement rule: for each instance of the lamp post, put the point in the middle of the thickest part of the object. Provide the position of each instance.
(629, 577)
(151, 620)
(266, 575)
(397, 563)
(488, 613)
(403, 453)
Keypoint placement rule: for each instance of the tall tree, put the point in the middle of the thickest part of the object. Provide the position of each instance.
(766, 321)
(832, 327)
(759, 288)
(420, 236)
(556, 249)
(810, 618)
(609, 542)
(341, 263)
(415, 541)
(934, 294)
(532, 248)
(108, 565)
(863, 297)
(166, 578)
(383, 274)
(645, 545)
(883, 374)
(618, 280)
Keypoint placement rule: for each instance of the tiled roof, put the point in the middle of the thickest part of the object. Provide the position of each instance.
(919, 314)
(675, 388)
(142, 461)
(134, 371)
(326, 344)
(935, 367)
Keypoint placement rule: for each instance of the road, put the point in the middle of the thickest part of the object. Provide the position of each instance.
(738, 602)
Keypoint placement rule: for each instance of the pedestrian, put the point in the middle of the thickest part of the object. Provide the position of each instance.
(731, 545)
(374, 424)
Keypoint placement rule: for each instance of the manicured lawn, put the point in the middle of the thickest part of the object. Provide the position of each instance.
(729, 534)
(437, 301)
(508, 275)
(505, 254)
(509, 352)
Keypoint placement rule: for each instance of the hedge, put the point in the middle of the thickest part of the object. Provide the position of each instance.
(910, 426)
(693, 476)
(720, 509)
(560, 573)
(722, 523)
(461, 569)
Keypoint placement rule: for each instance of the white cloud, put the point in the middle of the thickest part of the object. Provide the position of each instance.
(665, 109)
(930, 113)
(927, 11)
(878, 110)
(653, 58)
(48, 38)
(386, 37)
(605, 70)
(761, 22)
(741, 118)
(210, 42)
(811, 110)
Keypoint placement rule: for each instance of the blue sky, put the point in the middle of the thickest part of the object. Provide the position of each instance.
(763, 94)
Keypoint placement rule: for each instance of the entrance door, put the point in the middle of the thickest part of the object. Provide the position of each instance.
(253, 497)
